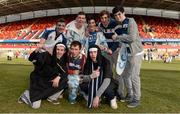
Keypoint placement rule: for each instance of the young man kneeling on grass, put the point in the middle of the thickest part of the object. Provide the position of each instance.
(49, 78)
(76, 62)
(97, 80)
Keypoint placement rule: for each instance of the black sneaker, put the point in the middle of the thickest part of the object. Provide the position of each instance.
(55, 102)
(128, 98)
(121, 98)
(134, 103)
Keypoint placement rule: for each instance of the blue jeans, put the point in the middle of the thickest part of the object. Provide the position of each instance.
(73, 84)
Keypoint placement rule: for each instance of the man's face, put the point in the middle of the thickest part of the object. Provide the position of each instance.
(60, 26)
(92, 24)
(119, 16)
(93, 55)
(81, 19)
(60, 50)
(75, 50)
(104, 19)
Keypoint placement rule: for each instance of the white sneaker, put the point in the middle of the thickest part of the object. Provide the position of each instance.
(60, 96)
(113, 103)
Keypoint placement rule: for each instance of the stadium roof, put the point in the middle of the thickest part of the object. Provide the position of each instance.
(18, 6)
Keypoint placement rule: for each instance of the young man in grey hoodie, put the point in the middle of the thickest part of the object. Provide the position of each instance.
(129, 34)
(76, 29)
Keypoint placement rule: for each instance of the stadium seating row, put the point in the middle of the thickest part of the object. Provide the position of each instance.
(149, 27)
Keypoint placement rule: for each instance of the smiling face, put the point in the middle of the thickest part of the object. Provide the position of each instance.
(92, 25)
(104, 19)
(60, 50)
(60, 26)
(119, 16)
(80, 19)
(75, 50)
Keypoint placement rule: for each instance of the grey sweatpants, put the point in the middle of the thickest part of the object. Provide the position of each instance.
(124, 80)
(135, 63)
(131, 76)
(129, 80)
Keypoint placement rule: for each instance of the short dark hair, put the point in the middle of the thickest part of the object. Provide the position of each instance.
(117, 9)
(91, 18)
(61, 20)
(81, 13)
(76, 43)
(104, 12)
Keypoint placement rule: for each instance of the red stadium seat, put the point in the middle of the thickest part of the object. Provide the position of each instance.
(31, 29)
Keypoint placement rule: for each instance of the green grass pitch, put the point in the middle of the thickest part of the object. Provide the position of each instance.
(160, 90)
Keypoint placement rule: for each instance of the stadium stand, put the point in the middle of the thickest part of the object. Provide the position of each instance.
(160, 28)
(149, 27)
(28, 29)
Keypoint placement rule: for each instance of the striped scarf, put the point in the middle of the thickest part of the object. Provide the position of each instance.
(93, 86)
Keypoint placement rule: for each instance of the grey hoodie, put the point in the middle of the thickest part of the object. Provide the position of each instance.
(132, 38)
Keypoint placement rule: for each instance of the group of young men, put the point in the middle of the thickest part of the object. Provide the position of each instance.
(93, 56)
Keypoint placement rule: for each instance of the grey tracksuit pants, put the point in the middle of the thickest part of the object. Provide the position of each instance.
(134, 73)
